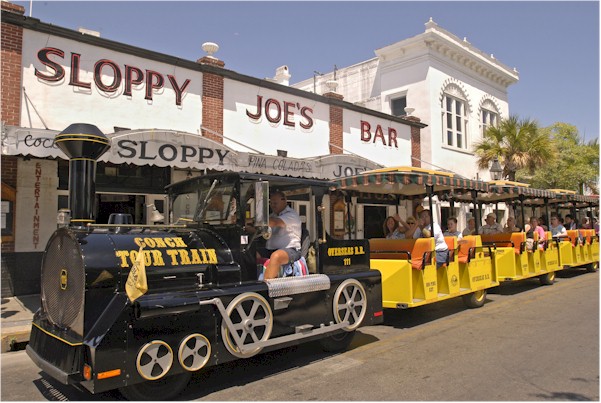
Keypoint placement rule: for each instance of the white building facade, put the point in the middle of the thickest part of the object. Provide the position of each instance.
(443, 80)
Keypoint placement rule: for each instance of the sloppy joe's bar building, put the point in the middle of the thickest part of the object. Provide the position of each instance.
(167, 119)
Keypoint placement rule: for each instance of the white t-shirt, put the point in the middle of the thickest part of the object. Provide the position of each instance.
(439, 242)
(289, 236)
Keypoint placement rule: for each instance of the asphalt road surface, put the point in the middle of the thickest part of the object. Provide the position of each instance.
(529, 342)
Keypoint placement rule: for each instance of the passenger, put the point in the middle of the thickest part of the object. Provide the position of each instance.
(412, 226)
(284, 245)
(557, 229)
(510, 225)
(586, 223)
(425, 231)
(542, 222)
(393, 229)
(531, 229)
(452, 228)
(569, 223)
(491, 226)
(471, 227)
(596, 225)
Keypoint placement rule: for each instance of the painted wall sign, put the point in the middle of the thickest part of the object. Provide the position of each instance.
(282, 111)
(378, 135)
(108, 75)
(37, 200)
(66, 81)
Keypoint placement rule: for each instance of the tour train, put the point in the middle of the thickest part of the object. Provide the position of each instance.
(410, 276)
(101, 328)
(204, 304)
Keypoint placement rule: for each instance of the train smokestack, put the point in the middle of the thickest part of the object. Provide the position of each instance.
(83, 144)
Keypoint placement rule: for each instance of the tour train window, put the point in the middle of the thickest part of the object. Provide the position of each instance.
(397, 106)
(455, 116)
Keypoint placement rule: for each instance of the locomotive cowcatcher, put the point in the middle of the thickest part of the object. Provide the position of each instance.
(204, 304)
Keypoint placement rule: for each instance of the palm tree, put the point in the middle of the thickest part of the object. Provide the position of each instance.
(517, 144)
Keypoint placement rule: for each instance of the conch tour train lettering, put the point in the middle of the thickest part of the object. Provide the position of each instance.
(175, 257)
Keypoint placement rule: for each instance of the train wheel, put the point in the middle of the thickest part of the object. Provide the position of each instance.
(350, 304)
(475, 299)
(337, 342)
(194, 352)
(252, 319)
(163, 389)
(547, 279)
(593, 267)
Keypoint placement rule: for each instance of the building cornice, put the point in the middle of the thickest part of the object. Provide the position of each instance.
(449, 47)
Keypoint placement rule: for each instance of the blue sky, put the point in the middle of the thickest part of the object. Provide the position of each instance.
(554, 45)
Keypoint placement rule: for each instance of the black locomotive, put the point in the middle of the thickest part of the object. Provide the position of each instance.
(204, 304)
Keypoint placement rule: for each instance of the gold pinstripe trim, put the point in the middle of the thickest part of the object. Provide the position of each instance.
(82, 220)
(82, 135)
(56, 337)
(90, 141)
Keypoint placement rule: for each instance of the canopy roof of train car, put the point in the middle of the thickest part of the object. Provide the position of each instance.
(409, 182)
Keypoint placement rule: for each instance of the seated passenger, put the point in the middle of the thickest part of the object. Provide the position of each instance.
(396, 228)
(471, 227)
(425, 231)
(530, 230)
(569, 223)
(452, 228)
(491, 226)
(284, 245)
(510, 225)
(557, 229)
(393, 229)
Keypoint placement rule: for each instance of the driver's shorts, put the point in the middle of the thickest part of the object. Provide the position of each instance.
(293, 254)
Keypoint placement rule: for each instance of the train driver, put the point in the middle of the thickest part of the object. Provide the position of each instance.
(284, 245)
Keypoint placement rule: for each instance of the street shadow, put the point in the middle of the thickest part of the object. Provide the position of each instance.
(516, 287)
(216, 378)
(244, 371)
(413, 317)
(7, 314)
(55, 391)
(571, 273)
(562, 396)
(31, 302)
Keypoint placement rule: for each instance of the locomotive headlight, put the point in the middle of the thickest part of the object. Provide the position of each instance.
(63, 218)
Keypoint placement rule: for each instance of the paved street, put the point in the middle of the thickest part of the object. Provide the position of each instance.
(527, 343)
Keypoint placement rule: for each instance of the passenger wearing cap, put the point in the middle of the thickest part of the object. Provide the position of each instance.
(491, 226)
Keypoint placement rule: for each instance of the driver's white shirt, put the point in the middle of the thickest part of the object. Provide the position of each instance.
(289, 236)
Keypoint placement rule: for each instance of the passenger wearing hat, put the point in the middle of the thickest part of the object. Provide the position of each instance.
(491, 226)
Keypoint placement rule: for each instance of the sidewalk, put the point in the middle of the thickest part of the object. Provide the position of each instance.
(15, 325)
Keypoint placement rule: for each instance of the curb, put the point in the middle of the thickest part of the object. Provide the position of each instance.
(13, 335)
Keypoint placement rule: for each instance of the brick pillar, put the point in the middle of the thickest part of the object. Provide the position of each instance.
(10, 97)
(12, 49)
(336, 120)
(416, 145)
(212, 100)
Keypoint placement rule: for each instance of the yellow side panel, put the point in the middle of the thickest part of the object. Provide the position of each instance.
(396, 281)
(505, 263)
(565, 253)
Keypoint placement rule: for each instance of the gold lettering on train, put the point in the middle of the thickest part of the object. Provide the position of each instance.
(346, 251)
(175, 257)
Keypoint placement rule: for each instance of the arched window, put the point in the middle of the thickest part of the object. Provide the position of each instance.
(455, 115)
(489, 116)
